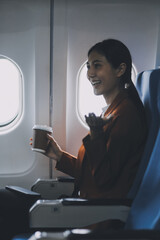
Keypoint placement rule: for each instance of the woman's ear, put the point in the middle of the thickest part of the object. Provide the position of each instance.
(121, 69)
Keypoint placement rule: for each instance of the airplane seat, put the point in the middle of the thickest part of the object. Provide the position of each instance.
(62, 213)
(143, 221)
(147, 84)
(14, 210)
(145, 212)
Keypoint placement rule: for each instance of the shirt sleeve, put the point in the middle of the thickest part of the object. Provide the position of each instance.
(68, 165)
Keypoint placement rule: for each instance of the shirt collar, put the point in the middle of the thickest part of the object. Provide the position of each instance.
(118, 99)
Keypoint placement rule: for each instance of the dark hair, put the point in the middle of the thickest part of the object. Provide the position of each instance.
(116, 53)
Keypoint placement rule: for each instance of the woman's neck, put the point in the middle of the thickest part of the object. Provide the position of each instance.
(110, 97)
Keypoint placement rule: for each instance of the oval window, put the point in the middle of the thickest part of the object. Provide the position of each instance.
(11, 94)
(86, 100)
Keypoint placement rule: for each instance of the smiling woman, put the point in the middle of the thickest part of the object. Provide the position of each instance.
(11, 94)
(108, 159)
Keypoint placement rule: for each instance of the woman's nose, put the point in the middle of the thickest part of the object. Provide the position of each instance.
(91, 73)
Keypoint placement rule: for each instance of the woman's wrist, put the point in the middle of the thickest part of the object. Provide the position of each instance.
(96, 133)
(59, 156)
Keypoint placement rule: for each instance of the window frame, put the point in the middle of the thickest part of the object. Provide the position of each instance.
(11, 124)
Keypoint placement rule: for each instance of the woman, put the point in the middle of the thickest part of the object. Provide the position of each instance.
(108, 159)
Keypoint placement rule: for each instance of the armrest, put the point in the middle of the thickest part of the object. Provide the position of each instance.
(96, 202)
(75, 213)
(54, 188)
(85, 234)
(65, 179)
(23, 191)
(77, 234)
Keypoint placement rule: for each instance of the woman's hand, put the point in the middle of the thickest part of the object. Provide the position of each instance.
(96, 124)
(53, 150)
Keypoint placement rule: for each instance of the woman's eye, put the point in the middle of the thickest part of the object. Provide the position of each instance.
(97, 66)
(87, 65)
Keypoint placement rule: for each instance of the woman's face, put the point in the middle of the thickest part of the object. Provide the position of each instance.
(103, 77)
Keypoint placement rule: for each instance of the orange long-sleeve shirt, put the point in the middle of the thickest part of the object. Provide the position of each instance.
(106, 166)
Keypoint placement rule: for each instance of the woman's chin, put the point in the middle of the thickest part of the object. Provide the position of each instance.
(97, 93)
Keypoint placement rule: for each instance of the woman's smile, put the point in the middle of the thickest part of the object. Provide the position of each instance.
(96, 83)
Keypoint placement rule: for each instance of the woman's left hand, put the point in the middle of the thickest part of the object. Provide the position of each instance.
(96, 124)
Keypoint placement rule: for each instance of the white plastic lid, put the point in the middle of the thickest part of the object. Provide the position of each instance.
(43, 127)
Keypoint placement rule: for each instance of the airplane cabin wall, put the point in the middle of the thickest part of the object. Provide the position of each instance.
(25, 38)
(77, 25)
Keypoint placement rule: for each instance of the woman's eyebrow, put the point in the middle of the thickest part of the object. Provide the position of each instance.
(95, 61)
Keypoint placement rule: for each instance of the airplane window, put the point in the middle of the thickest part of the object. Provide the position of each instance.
(11, 89)
(86, 100)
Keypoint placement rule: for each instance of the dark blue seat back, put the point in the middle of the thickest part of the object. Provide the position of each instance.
(145, 210)
(147, 85)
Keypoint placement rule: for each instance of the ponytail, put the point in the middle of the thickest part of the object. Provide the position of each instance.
(134, 96)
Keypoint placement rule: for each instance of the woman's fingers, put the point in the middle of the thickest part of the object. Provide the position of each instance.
(49, 137)
(30, 141)
(93, 121)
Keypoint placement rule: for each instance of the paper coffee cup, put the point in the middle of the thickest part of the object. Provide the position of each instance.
(40, 139)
